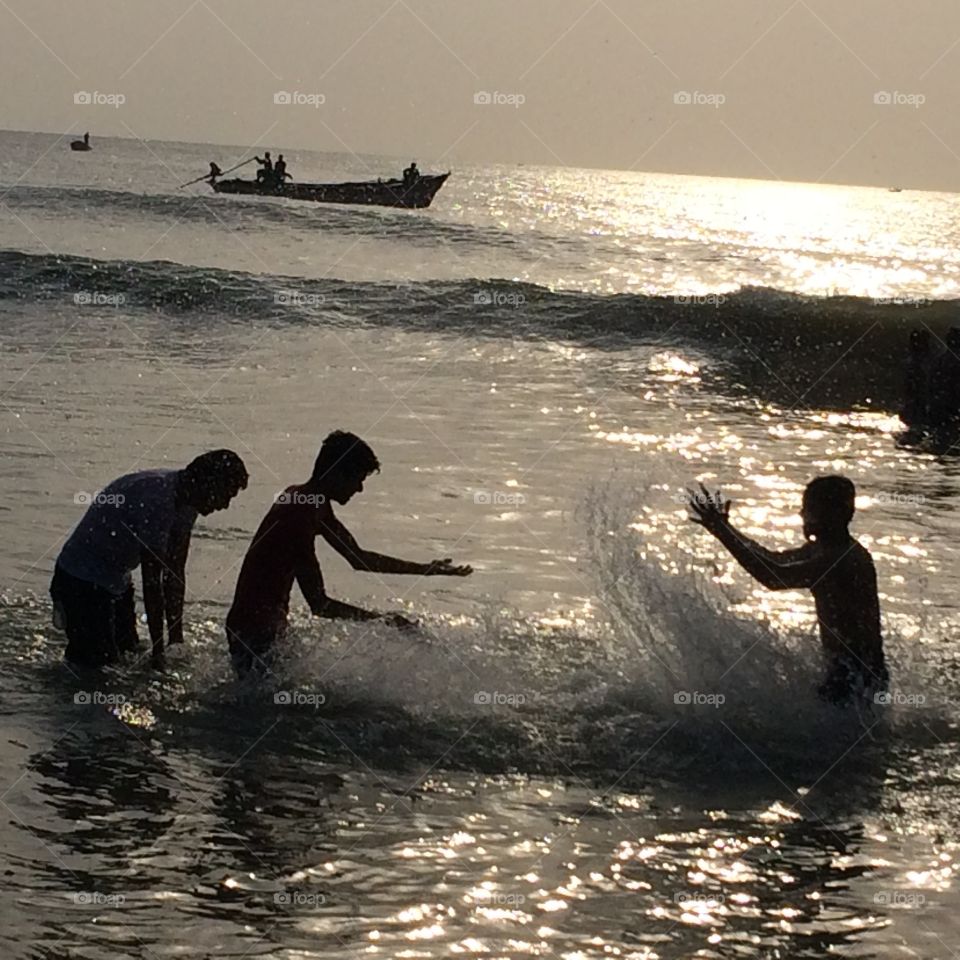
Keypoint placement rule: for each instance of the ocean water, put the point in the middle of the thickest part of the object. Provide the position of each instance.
(605, 743)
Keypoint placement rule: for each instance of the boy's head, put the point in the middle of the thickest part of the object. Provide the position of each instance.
(212, 480)
(828, 505)
(342, 465)
(921, 341)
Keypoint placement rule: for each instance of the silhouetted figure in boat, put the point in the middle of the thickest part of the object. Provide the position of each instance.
(916, 412)
(411, 175)
(280, 171)
(945, 389)
(215, 172)
(141, 520)
(83, 144)
(283, 551)
(265, 173)
(833, 566)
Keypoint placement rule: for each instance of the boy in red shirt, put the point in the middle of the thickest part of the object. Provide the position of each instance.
(282, 552)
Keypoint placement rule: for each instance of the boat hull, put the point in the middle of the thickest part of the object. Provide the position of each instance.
(380, 193)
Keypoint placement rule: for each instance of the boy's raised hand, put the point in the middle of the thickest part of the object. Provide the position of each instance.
(445, 568)
(708, 509)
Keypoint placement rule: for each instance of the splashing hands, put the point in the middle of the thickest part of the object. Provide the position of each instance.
(708, 509)
(445, 568)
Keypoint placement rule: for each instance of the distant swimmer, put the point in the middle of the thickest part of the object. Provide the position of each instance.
(916, 413)
(280, 171)
(411, 175)
(833, 566)
(282, 551)
(265, 173)
(142, 520)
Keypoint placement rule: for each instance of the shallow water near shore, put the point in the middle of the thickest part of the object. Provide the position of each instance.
(606, 741)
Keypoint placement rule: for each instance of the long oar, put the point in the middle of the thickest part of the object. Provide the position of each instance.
(222, 173)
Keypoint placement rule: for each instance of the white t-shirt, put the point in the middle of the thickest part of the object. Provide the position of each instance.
(133, 517)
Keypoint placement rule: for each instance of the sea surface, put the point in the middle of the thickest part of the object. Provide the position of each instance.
(606, 742)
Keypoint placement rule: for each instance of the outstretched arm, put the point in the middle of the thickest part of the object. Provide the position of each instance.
(151, 570)
(340, 538)
(174, 584)
(787, 570)
(310, 580)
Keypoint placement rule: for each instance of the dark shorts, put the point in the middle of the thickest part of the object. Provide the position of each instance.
(253, 652)
(848, 680)
(99, 625)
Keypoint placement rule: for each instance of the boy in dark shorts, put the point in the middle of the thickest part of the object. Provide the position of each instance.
(833, 566)
(283, 551)
(141, 519)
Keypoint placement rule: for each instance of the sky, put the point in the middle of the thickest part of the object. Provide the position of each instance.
(857, 92)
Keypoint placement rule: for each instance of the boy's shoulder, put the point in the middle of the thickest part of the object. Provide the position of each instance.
(299, 507)
(847, 552)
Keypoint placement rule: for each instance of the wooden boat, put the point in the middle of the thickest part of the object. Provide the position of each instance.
(381, 193)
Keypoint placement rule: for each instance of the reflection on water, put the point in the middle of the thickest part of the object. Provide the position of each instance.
(280, 852)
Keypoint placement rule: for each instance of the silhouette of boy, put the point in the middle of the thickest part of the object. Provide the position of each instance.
(833, 566)
(283, 552)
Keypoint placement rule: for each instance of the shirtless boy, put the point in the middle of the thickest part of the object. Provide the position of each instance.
(283, 551)
(833, 566)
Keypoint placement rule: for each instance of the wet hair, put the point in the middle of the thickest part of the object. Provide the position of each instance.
(832, 499)
(217, 467)
(347, 452)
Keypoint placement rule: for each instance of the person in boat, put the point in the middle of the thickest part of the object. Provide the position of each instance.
(916, 411)
(282, 552)
(837, 569)
(265, 173)
(280, 171)
(411, 175)
(144, 520)
(215, 172)
(945, 388)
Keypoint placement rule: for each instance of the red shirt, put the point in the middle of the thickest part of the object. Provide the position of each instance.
(282, 551)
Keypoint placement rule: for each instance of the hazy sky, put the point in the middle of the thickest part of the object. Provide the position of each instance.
(779, 89)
